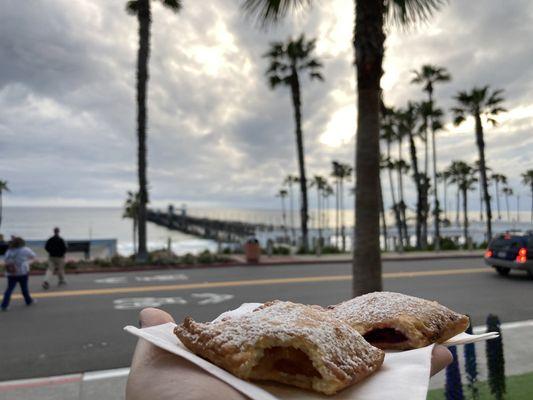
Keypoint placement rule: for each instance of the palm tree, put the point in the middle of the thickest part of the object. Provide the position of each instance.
(282, 194)
(444, 176)
(287, 62)
(527, 179)
(369, 48)
(507, 191)
(432, 122)
(408, 122)
(346, 171)
(320, 184)
(388, 134)
(141, 9)
(336, 173)
(3, 188)
(383, 164)
(327, 192)
(478, 103)
(289, 181)
(428, 76)
(131, 210)
(464, 176)
(477, 167)
(402, 168)
(497, 179)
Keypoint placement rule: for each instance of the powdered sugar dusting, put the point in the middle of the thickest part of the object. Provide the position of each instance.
(379, 307)
(335, 341)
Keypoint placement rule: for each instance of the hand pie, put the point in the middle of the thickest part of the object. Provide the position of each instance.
(394, 321)
(299, 345)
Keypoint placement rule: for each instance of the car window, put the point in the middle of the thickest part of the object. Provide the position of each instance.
(499, 244)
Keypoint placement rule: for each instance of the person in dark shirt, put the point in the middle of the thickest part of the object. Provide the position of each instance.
(3, 245)
(56, 249)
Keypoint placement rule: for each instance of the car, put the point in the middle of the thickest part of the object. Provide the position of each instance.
(511, 250)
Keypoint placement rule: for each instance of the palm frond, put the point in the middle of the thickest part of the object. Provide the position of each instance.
(173, 5)
(316, 75)
(405, 13)
(132, 7)
(269, 12)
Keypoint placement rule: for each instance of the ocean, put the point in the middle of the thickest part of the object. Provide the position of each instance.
(81, 223)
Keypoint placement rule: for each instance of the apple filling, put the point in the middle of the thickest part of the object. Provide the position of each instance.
(288, 360)
(385, 335)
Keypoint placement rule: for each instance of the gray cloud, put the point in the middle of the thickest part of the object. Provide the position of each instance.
(217, 134)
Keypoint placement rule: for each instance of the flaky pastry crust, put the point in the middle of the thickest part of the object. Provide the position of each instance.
(394, 321)
(295, 344)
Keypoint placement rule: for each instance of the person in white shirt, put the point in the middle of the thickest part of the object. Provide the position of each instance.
(17, 260)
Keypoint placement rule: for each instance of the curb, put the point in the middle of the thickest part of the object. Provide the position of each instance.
(268, 263)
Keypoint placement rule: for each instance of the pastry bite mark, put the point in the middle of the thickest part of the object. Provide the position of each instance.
(295, 344)
(385, 335)
(394, 321)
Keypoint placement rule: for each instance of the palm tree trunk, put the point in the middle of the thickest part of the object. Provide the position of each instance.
(1, 207)
(291, 211)
(465, 216)
(343, 233)
(297, 103)
(457, 207)
(144, 18)
(416, 177)
(368, 44)
(480, 198)
(402, 203)
(531, 217)
(337, 212)
(498, 199)
(436, 240)
(134, 235)
(445, 198)
(507, 207)
(318, 213)
(395, 207)
(383, 221)
(425, 210)
(483, 170)
(283, 217)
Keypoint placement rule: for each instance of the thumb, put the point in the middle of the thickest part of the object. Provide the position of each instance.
(153, 316)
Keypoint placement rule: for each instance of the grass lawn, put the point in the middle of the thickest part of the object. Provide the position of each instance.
(519, 387)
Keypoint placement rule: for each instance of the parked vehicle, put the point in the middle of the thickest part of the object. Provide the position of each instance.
(511, 250)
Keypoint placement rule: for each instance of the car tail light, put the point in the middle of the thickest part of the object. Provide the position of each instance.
(522, 255)
(488, 253)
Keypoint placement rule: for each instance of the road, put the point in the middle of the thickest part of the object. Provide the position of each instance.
(78, 327)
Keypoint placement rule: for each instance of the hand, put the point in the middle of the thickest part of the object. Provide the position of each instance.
(157, 374)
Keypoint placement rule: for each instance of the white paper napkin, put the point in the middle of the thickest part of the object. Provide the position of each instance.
(403, 375)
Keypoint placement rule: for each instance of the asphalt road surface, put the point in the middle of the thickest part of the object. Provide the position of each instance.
(78, 327)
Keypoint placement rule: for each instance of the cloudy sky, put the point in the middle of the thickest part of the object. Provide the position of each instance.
(217, 135)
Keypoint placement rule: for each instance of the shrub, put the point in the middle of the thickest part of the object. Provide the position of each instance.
(495, 360)
(205, 257)
(471, 367)
(453, 388)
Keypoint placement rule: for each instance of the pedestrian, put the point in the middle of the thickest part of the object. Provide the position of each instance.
(17, 263)
(56, 249)
(3, 245)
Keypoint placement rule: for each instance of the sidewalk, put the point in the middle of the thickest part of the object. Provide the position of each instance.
(238, 260)
(344, 258)
(110, 385)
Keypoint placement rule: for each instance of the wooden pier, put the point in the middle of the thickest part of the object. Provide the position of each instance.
(227, 231)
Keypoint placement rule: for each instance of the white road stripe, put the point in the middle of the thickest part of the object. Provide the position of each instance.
(106, 374)
(505, 326)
